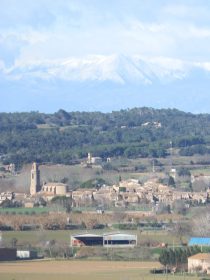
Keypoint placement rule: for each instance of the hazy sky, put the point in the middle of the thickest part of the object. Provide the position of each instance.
(49, 29)
(37, 31)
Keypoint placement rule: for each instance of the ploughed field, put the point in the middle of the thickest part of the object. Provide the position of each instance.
(79, 270)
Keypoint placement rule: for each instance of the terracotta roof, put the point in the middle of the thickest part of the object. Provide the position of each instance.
(200, 256)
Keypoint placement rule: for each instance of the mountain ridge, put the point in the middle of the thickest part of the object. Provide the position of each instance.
(116, 68)
(105, 83)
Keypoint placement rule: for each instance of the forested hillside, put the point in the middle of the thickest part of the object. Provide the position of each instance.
(64, 137)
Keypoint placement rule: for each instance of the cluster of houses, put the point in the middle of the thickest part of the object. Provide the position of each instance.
(126, 193)
(132, 192)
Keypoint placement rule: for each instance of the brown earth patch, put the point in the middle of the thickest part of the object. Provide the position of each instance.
(73, 267)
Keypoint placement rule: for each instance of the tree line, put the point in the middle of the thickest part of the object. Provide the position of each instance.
(178, 256)
(65, 137)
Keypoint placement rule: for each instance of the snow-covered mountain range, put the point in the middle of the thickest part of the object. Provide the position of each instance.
(116, 68)
(105, 83)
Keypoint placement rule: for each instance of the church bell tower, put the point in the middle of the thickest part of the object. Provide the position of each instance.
(35, 179)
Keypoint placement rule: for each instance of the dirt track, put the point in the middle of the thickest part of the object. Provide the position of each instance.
(73, 267)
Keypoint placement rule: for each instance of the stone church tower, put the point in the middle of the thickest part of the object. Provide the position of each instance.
(35, 179)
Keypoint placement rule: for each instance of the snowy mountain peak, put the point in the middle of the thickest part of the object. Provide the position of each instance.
(120, 69)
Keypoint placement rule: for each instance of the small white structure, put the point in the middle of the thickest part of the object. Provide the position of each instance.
(26, 254)
(119, 240)
(93, 160)
(173, 173)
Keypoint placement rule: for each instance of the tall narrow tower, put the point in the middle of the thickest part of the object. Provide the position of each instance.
(35, 179)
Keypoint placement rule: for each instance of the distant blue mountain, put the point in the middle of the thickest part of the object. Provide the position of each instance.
(105, 84)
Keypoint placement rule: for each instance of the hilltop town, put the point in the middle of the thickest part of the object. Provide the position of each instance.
(126, 193)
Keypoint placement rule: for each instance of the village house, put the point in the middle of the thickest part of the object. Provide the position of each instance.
(105, 195)
(93, 160)
(199, 263)
(6, 196)
(131, 198)
(10, 168)
(55, 188)
(82, 197)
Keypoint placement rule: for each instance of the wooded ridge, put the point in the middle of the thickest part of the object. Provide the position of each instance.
(65, 137)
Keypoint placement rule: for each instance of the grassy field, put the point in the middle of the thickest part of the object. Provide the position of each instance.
(88, 270)
(33, 237)
(24, 211)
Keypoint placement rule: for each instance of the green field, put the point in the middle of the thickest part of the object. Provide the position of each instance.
(148, 247)
(24, 211)
(32, 237)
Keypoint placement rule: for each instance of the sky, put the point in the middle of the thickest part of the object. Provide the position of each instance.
(49, 48)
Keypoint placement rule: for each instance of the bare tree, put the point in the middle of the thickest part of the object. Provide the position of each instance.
(201, 223)
(182, 229)
(179, 207)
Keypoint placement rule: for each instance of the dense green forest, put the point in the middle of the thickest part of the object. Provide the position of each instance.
(65, 137)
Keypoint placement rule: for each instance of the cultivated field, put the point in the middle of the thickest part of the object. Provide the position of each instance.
(79, 270)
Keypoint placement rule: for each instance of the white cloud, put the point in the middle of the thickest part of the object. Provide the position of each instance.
(50, 32)
(2, 65)
(199, 33)
(203, 65)
(53, 30)
(187, 11)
